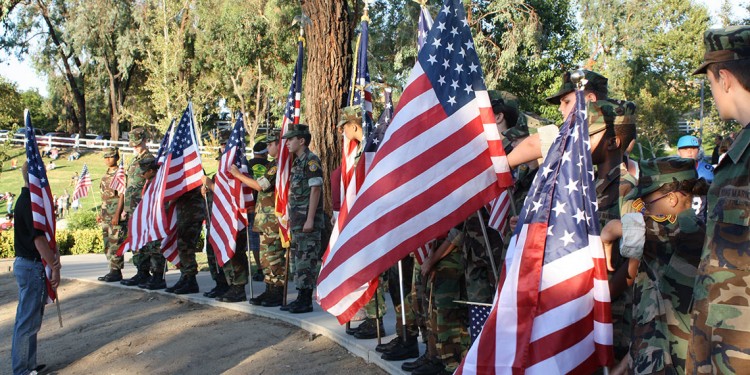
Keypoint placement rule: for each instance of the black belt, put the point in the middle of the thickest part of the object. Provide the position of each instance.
(31, 259)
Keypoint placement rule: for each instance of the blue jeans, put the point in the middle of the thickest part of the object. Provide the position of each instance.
(32, 295)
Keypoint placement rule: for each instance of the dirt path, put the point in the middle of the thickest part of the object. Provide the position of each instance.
(116, 331)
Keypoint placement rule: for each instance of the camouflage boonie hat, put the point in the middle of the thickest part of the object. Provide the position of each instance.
(498, 97)
(655, 173)
(148, 162)
(110, 152)
(728, 44)
(136, 136)
(352, 113)
(594, 82)
(608, 113)
(299, 130)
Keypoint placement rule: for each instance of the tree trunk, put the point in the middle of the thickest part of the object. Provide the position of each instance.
(254, 129)
(114, 104)
(329, 60)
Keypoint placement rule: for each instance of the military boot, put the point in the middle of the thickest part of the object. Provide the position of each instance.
(140, 277)
(220, 288)
(304, 302)
(176, 285)
(236, 293)
(112, 276)
(382, 348)
(369, 329)
(291, 304)
(156, 282)
(410, 366)
(432, 367)
(275, 298)
(258, 301)
(403, 350)
(189, 286)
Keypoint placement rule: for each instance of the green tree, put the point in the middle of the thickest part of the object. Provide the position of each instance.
(11, 106)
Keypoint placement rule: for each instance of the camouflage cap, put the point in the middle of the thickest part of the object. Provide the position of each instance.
(608, 113)
(594, 82)
(136, 136)
(148, 162)
(352, 113)
(110, 152)
(299, 130)
(728, 44)
(273, 136)
(655, 173)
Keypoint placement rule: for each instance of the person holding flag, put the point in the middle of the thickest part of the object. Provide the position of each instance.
(147, 168)
(109, 215)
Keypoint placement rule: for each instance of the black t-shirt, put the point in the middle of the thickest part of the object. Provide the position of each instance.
(23, 227)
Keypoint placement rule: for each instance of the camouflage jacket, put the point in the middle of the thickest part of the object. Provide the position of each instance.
(135, 183)
(265, 206)
(306, 172)
(608, 196)
(110, 197)
(663, 292)
(480, 279)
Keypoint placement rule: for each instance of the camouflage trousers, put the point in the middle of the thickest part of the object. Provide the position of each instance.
(306, 251)
(720, 337)
(448, 321)
(375, 307)
(111, 240)
(407, 268)
(236, 269)
(417, 300)
(188, 236)
(151, 258)
(272, 258)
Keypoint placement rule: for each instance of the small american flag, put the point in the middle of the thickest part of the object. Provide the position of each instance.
(499, 209)
(441, 160)
(552, 312)
(118, 182)
(183, 164)
(83, 185)
(291, 117)
(229, 202)
(477, 316)
(42, 207)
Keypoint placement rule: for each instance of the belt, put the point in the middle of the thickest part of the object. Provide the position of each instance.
(30, 259)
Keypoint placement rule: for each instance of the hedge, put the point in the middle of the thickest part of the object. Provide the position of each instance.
(69, 242)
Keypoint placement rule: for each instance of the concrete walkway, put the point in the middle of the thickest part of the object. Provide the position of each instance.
(90, 266)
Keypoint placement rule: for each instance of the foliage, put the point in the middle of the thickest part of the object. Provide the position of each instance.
(82, 219)
(69, 242)
(6, 244)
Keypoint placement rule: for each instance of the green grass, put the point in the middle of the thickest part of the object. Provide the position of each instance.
(60, 177)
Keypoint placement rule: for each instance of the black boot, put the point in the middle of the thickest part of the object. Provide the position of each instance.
(410, 366)
(139, 278)
(236, 293)
(112, 276)
(382, 348)
(220, 288)
(432, 367)
(369, 329)
(156, 282)
(404, 350)
(258, 301)
(189, 286)
(258, 275)
(304, 302)
(176, 285)
(293, 303)
(276, 297)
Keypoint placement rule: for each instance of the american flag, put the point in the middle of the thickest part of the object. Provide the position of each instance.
(83, 185)
(552, 312)
(150, 221)
(42, 207)
(478, 314)
(183, 164)
(118, 182)
(229, 202)
(499, 209)
(291, 117)
(441, 160)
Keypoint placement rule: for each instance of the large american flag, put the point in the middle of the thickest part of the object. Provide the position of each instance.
(229, 202)
(150, 221)
(118, 182)
(441, 160)
(552, 312)
(83, 185)
(291, 117)
(42, 207)
(183, 164)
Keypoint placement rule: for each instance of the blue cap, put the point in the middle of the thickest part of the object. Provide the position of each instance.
(688, 141)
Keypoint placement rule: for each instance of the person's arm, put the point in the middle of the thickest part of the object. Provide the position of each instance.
(252, 183)
(529, 149)
(118, 210)
(429, 263)
(312, 208)
(208, 183)
(610, 233)
(52, 259)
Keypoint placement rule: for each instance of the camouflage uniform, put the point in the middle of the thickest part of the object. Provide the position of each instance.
(720, 340)
(217, 273)
(133, 195)
(111, 233)
(236, 269)
(306, 248)
(152, 251)
(480, 280)
(272, 254)
(191, 211)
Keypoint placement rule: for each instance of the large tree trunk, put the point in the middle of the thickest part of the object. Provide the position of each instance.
(329, 58)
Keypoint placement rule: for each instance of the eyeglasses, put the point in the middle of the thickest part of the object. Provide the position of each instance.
(654, 201)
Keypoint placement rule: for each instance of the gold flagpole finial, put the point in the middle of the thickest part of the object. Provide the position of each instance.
(578, 77)
(422, 3)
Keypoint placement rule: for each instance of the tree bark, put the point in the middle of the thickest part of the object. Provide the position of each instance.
(329, 61)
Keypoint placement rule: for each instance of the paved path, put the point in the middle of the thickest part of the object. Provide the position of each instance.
(88, 267)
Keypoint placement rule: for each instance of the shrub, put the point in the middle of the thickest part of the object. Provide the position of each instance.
(82, 220)
(69, 242)
(6, 244)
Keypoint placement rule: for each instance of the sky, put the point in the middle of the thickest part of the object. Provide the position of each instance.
(24, 75)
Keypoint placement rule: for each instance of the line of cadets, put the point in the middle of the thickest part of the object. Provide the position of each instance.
(647, 208)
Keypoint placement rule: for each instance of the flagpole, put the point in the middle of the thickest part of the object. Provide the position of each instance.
(401, 293)
(249, 263)
(487, 244)
(57, 304)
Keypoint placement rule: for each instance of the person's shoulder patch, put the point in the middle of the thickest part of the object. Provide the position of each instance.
(313, 165)
(272, 170)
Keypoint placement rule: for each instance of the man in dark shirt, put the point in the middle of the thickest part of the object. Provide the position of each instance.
(257, 167)
(31, 247)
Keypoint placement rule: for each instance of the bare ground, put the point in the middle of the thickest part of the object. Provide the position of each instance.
(117, 331)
